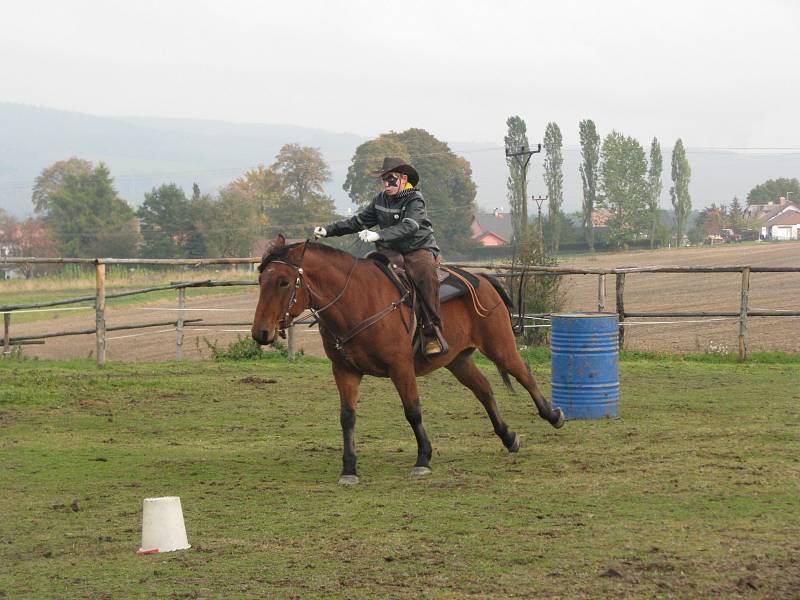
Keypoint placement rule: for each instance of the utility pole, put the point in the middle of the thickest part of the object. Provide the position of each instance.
(522, 156)
(539, 201)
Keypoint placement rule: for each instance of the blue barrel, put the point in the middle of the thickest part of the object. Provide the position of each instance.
(585, 361)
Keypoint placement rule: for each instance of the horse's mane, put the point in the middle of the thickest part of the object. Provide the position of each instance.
(282, 252)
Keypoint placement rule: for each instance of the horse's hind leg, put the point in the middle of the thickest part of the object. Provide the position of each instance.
(347, 382)
(405, 380)
(508, 360)
(468, 374)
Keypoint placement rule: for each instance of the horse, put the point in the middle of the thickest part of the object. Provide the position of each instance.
(368, 329)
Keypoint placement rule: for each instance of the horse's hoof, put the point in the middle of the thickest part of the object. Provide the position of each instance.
(348, 480)
(420, 471)
(514, 447)
(559, 422)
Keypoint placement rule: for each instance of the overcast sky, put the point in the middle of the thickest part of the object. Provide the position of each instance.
(718, 73)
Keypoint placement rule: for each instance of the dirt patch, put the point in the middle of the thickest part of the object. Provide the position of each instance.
(643, 292)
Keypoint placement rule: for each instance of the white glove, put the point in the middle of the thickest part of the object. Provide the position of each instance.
(320, 232)
(369, 236)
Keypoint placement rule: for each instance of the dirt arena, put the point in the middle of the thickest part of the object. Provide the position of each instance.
(643, 292)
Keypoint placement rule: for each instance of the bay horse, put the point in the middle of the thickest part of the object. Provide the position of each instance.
(365, 330)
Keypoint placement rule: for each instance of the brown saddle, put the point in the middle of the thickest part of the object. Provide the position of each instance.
(451, 279)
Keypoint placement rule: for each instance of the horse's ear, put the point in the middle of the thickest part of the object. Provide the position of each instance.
(273, 245)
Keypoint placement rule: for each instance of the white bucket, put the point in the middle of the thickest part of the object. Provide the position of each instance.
(162, 526)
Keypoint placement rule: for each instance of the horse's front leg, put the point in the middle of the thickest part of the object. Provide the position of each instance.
(405, 380)
(347, 382)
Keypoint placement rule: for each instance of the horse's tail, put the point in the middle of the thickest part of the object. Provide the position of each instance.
(506, 380)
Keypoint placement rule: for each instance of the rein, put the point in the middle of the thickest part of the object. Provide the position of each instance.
(339, 341)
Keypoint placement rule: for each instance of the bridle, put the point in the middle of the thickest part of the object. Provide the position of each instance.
(287, 320)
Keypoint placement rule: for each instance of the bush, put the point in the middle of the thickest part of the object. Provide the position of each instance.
(248, 349)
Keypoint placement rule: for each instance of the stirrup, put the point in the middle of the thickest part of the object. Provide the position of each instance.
(436, 345)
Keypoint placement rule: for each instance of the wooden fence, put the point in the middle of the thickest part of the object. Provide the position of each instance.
(510, 273)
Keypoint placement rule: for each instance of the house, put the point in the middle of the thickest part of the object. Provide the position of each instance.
(766, 215)
(10, 237)
(492, 229)
(784, 226)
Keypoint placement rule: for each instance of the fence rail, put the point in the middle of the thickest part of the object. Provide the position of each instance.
(510, 272)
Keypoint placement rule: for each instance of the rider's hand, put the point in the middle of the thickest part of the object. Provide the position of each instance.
(368, 236)
(320, 232)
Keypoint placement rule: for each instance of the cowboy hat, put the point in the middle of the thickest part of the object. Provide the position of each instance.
(396, 165)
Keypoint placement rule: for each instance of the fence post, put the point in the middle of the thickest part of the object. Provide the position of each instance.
(601, 293)
(100, 313)
(179, 324)
(6, 333)
(743, 314)
(290, 342)
(621, 307)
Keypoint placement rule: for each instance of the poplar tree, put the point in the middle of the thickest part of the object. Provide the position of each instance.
(517, 183)
(554, 179)
(590, 165)
(679, 192)
(654, 187)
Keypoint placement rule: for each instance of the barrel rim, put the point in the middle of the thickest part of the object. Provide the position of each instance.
(585, 315)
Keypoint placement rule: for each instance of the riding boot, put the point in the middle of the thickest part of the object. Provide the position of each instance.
(421, 267)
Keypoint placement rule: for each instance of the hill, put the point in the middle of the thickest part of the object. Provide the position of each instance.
(146, 152)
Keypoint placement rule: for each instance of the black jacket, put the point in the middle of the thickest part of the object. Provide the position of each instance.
(403, 221)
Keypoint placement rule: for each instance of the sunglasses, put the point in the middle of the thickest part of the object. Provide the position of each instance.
(390, 180)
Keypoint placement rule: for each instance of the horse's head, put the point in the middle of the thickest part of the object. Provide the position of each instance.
(282, 297)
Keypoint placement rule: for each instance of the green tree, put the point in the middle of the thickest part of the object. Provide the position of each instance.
(165, 221)
(300, 173)
(679, 192)
(53, 177)
(774, 189)
(87, 216)
(736, 218)
(554, 179)
(590, 165)
(360, 185)
(654, 187)
(624, 187)
(227, 225)
(516, 140)
(445, 181)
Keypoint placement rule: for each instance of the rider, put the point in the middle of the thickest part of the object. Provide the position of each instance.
(399, 212)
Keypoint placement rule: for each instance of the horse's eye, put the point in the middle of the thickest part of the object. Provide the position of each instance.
(283, 283)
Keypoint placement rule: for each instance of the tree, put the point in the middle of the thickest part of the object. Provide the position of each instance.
(445, 181)
(86, 215)
(774, 189)
(590, 164)
(679, 192)
(654, 187)
(53, 177)
(165, 222)
(516, 141)
(360, 185)
(300, 172)
(624, 187)
(554, 179)
(736, 218)
(227, 225)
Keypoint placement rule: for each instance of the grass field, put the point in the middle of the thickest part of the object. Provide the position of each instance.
(693, 492)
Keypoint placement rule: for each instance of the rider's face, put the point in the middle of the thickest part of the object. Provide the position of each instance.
(394, 182)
